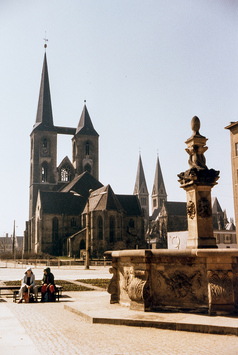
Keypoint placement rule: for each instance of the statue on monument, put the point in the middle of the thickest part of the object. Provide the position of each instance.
(196, 147)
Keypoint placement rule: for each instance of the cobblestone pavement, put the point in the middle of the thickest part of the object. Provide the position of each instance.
(57, 331)
(54, 330)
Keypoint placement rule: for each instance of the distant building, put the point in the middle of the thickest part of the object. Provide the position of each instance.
(172, 217)
(6, 244)
(169, 229)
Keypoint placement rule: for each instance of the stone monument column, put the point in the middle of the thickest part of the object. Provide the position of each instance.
(198, 182)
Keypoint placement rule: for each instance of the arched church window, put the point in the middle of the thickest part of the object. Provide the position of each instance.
(82, 245)
(88, 168)
(65, 173)
(131, 223)
(111, 229)
(143, 201)
(45, 147)
(100, 228)
(45, 143)
(87, 148)
(44, 172)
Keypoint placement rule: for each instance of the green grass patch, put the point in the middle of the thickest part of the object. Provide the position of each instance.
(103, 283)
(67, 286)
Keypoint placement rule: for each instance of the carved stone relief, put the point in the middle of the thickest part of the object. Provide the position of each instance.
(178, 283)
(191, 211)
(220, 283)
(204, 208)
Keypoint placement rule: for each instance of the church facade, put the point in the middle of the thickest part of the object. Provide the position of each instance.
(59, 194)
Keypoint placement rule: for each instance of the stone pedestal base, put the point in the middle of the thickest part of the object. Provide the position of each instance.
(197, 281)
(199, 214)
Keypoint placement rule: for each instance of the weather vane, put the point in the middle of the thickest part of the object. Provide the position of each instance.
(46, 40)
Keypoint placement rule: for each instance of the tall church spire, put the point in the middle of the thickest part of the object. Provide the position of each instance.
(85, 125)
(141, 190)
(43, 156)
(85, 146)
(158, 193)
(140, 183)
(44, 116)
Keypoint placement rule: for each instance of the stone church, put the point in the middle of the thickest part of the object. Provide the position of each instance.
(59, 194)
(171, 216)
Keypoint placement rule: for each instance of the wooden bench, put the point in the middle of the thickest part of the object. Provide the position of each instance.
(13, 291)
(9, 289)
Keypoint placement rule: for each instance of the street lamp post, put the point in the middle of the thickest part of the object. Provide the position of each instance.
(87, 237)
(87, 227)
(14, 241)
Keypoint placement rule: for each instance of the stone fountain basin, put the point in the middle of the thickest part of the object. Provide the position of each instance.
(195, 280)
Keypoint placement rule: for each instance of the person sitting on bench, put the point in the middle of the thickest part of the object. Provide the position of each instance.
(28, 285)
(48, 287)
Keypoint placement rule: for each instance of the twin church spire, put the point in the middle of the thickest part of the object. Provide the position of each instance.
(83, 156)
(158, 192)
(45, 174)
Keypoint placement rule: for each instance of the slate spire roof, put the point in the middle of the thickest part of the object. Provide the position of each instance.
(85, 125)
(158, 187)
(104, 199)
(216, 207)
(44, 116)
(140, 183)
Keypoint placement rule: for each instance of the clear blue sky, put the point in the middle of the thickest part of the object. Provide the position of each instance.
(144, 67)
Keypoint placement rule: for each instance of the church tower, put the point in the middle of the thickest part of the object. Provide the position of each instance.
(85, 146)
(43, 156)
(141, 190)
(158, 193)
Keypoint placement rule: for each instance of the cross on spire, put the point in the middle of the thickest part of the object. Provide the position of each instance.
(46, 40)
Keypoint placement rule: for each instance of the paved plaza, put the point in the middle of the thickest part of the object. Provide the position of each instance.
(50, 328)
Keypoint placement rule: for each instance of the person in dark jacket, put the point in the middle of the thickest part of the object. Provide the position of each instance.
(48, 286)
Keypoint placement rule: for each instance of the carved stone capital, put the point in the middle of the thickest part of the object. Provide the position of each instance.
(220, 286)
(135, 289)
(113, 286)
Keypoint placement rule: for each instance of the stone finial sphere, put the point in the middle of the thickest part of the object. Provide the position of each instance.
(195, 124)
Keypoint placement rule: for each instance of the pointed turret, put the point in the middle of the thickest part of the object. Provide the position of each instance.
(85, 146)
(44, 116)
(85, 125)
(216, 207)
(158, 193)
(141, 190)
